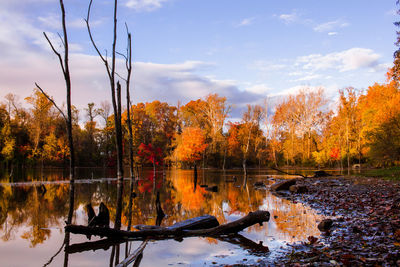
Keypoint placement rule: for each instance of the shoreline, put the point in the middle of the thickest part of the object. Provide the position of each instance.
(366, 223)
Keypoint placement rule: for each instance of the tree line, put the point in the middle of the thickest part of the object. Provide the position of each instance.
(299, 130)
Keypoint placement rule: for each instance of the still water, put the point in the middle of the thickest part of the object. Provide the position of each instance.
(34, 208)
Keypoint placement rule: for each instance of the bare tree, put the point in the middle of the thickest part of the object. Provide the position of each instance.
(65, 69)
(68, 119)
(128, 66)
(104, 111)
(116, 102)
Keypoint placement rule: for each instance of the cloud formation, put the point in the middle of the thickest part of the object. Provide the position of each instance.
(246, 22)
(331, 25)
(144, 5)
(27, 58)
(351, 59)
(288, 18)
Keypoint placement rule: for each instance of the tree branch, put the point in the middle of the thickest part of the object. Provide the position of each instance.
(93, 42)
(55, 52)
(52, 101)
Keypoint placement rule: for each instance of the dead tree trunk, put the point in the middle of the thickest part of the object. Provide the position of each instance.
(64, 63)
(168, 232)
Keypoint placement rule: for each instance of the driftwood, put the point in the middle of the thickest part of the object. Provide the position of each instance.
(164, 232)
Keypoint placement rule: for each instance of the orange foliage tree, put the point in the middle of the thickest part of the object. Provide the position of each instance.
(191, 145)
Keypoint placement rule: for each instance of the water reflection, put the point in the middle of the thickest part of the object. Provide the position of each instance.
(32, 217)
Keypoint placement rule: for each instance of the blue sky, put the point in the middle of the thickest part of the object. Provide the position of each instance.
(245, 50)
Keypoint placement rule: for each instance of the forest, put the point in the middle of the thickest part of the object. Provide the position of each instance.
(305, 129)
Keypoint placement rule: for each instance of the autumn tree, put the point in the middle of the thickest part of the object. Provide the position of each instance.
(89, 153)
(8, 142)
(385, 142)
(249, 131)
(233, 144)
(301, 118)
(349, 121)
(379, 108)
(209, 114)
(215, 111)
(191, 145)
(285, 124)
(43, 114)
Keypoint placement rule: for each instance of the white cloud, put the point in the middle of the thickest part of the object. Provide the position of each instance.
(51, 21)
(296, 89)
(331, 25)
(296, 73)
(289, 18)
(392, 12)
(294, 17)
(246, 22)
(308, 78)
(144, 5)
(383, 66)
(351, 59)
(79, 23)
(261, 89)
(267, 66)
(17, 35)
(332, 33)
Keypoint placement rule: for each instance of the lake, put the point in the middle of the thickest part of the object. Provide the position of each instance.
(34, 207)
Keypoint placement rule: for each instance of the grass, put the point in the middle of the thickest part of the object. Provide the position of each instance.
(392, 173)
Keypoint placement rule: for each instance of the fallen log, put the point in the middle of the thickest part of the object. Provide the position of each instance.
(164, 233)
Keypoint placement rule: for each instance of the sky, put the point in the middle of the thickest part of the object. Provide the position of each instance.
(245, 50)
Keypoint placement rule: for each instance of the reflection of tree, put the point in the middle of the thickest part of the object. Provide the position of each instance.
(28, 209)
(30, 206)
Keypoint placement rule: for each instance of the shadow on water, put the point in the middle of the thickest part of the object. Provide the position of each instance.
(33, 215)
